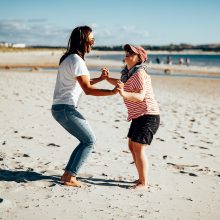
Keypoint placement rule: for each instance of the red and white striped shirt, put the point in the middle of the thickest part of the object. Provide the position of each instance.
(139, 81)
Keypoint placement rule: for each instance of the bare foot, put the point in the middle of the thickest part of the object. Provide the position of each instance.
(139, 186)
(65, 176)
(71, 181)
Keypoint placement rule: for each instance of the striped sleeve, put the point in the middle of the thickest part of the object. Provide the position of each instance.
(138, 80)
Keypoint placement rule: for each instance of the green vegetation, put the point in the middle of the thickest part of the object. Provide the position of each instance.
(171, 47)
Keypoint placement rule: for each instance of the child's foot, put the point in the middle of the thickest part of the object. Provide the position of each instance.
(139, 185)
(136, 181)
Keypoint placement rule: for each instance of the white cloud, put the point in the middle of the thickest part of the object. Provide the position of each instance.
(121, 35)
(41, 32)
(32, 32)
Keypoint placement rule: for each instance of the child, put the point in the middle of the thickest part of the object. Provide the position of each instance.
(143, 112)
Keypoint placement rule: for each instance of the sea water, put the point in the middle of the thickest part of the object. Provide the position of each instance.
(211, 60)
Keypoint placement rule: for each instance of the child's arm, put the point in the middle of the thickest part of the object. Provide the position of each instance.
(132, 96)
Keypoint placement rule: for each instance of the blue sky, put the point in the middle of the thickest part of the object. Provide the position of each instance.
(115, 22)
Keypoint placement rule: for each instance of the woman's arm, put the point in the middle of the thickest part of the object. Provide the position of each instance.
(91, 90)
(105, 74)
(96, 80)
(112, 81)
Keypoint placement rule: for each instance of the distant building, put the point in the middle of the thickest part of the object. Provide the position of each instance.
(19, 45)
(5, 44)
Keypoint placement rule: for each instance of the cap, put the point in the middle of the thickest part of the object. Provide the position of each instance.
(140, 51)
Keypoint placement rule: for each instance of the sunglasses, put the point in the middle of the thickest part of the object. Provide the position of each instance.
(129, 53)
(91, 40)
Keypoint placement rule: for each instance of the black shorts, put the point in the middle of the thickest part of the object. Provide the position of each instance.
(143, 128)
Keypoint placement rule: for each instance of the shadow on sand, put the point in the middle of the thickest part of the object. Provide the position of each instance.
(105, 182)
(28, 176)
(25, 176)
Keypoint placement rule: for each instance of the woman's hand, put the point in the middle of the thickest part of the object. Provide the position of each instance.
(105, 74)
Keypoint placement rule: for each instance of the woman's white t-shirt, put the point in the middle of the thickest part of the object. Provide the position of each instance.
(67, 89)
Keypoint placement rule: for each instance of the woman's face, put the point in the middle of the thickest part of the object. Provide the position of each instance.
(131, 59)
(90, 42)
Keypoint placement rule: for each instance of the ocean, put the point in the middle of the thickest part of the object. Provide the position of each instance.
(211, 60)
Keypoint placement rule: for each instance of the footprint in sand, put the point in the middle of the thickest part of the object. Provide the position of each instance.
(194, 132)
(2, 156)
(26, 137)
(160, 139)
(165, 157)
(54, 145)
(207, 142)
(182, 167)
(190, 174)
(20, 155)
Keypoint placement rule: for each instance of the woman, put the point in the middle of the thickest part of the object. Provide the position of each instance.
(73, 77)
(136, 89)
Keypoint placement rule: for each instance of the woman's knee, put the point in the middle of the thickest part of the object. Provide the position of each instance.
(92, 140)
(89, 140)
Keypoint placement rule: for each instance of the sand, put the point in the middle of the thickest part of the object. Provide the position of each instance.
(184, 156)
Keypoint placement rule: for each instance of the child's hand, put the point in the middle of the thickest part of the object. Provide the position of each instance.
(120, 87)
(115, 90)
(105, 73)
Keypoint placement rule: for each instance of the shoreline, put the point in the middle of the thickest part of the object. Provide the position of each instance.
(50, 59)
(101, 52)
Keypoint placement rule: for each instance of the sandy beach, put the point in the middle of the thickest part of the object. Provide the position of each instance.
(184, 156)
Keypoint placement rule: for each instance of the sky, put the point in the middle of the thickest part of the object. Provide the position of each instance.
(114, 22)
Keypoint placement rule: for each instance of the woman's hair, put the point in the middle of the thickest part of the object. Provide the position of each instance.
(78, 42)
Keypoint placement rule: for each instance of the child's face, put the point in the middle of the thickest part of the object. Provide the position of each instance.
(131, 58)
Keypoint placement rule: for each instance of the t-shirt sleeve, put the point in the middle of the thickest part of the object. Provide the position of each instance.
(79, 68)
(138, 81)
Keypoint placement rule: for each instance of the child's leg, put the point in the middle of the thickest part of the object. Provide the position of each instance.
(130, 146)
(141, 164)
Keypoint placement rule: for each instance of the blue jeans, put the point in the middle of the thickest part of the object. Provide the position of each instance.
(70, 119)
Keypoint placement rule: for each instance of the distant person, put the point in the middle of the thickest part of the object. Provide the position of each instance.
(158, 60)
(169, 61)
(143, 112)
(187, 61)
(181, 61)
(73, 77)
